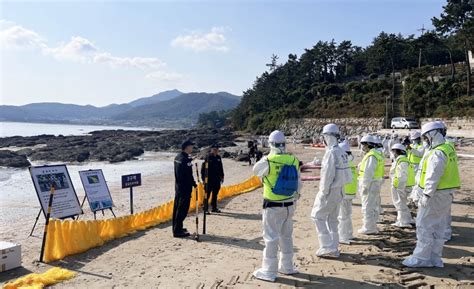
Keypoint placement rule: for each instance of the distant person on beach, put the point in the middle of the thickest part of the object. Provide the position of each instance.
(281, 183)
(215, 177)
(371, 173)
(183, 173)
(402, 178)
(439, 179)
(345, 213)
(335, 174)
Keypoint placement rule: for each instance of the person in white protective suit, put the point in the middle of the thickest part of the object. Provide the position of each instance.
(371, 172)
(402, 178)
(278, 208)
(378, 142)
(439, 179)
(386, 148)
(393, 140)
(415, 152)
(350, 190)
(335, 173)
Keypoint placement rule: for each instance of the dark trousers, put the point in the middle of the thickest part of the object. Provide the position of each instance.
(212, 191)
(182, 199)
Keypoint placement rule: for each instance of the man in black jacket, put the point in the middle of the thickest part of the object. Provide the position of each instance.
(183, 173)
(215, 173)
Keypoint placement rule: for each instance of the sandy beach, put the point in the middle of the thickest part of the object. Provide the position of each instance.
(232, 249)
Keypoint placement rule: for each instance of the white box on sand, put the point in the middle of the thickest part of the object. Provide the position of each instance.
(10, 256)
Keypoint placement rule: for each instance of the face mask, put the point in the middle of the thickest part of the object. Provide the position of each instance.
(426, 144)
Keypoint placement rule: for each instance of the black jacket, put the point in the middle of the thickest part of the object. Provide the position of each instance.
(183, 170)
(216, 170)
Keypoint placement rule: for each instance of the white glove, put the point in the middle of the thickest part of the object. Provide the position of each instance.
(424, 201)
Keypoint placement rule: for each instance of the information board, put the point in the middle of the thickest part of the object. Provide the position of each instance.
(96, 189)
(65, 201)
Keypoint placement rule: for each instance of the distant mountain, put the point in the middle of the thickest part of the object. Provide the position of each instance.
(187, 105)
(162, 96)
(59, 112)
(171, 108)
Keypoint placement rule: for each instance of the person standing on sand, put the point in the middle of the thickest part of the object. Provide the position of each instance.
(403, 179)
(335, 174)
(215, 177)
(371, 172)
(281, 183)
(439, 179)
(350, 190)
(184, 183)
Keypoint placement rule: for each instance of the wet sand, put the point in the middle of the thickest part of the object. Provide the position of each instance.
(232, 249)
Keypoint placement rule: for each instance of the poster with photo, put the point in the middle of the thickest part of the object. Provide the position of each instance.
(97, 192)
(65, 201)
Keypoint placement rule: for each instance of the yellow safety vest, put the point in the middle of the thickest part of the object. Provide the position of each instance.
(450, 178)
(351, 189)
(379, 170)
(412, 158)
(276, 163)
(411, 172)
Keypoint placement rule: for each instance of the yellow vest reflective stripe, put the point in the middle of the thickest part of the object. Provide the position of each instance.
(379, 170)
(276, 163)
(351, 189)
(411, 172)
(412, 158)
(450, 178)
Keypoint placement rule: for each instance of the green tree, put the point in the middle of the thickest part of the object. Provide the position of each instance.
(457, 20)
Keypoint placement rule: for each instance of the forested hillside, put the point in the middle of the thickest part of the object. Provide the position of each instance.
(395, 75)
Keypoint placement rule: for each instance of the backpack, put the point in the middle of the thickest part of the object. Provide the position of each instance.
(287, 182)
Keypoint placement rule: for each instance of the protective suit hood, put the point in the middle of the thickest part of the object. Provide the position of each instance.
(435, 138)
(330, 140)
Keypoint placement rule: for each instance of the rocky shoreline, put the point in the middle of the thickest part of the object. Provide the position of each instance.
(105, 145)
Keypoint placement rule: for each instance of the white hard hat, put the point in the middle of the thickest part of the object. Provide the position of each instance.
(276, 137)
(330, 129)
(377, 139)
(427, 127)
(415, 135)
(399, 146)
(345, 146)
(367, 138)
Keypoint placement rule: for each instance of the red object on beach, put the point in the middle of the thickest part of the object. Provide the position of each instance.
(309, 167)
(310, 178)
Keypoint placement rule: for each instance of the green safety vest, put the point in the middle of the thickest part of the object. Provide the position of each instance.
(351, 188)
(450, 178)
(412, 158)
(379, 170)
(276, 163)
(411, 172)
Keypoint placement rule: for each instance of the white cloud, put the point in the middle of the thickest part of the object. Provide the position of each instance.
(164, 76)
(17, 37)
(77, 49)
(139, 62)
(214, 40)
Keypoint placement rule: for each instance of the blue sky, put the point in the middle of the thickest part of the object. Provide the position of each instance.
(115, 51)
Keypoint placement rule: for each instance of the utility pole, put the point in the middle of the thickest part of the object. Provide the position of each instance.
(422, 29)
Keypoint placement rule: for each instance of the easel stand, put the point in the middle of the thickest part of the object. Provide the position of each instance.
(48, 214)
(95, 212)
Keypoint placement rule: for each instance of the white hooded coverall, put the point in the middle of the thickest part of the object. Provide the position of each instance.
(277, 232)
(433, 213)
(369, 191)
(345, 218)
(399, 194)
(335, 173)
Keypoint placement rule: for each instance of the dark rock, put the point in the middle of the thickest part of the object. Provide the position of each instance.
(114, 145)
(242, 157)
(12, 159)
